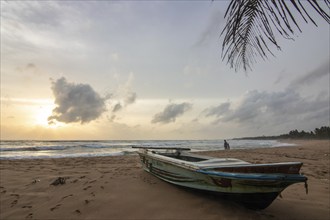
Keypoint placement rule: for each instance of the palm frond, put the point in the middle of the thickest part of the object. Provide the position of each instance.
(250, 24)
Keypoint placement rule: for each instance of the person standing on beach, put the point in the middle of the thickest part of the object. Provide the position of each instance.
(226, 145)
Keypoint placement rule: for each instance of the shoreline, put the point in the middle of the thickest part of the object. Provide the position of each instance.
(120, 151)
(116, 187)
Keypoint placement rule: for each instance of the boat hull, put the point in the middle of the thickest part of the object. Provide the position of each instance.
(252, 190)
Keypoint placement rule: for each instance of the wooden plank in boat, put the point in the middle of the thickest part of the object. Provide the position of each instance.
(162, 148)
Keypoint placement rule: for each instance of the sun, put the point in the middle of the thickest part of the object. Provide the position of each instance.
(41, 116)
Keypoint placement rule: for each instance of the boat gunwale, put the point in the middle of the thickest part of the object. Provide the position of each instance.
(197, 165)
(250, 176)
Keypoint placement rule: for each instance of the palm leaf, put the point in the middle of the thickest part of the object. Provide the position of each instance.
(250, 24)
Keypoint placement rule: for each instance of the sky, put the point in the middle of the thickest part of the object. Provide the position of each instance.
(132, 70)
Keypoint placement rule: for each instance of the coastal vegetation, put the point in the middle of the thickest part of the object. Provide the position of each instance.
(318, 133)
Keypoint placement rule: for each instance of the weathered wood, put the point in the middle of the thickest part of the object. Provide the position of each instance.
(161, 148)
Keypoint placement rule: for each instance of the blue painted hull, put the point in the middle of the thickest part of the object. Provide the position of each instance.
(257, 190)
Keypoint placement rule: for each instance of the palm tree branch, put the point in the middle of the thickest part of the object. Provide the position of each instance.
(307, 14)
(319, 10)
(250, 22)
(290, 14)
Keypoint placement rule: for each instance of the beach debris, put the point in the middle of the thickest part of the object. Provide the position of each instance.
(59, 181)
(35, 181)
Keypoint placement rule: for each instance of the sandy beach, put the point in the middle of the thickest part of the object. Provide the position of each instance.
(118, 188)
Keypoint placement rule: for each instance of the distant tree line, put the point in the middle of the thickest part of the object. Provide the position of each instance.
(318, 133)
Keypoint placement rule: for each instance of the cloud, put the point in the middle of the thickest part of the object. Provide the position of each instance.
(125, 95)
(217, 110)
(30, 68)
(117, 107)
(129, 98)
(312, 76)
(75, 102)
(171, 112)
(40, 30)
(212, 29)
(266, 109)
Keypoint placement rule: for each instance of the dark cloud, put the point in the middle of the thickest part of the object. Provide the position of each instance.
(117, 107)
(75, 102)
(171, 112)
(124, 97)
(129, 99)
(259, 109)
(217, 110)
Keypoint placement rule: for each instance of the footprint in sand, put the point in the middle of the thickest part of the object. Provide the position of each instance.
(149, 181)
(87, 201)
(16, 199)
(16, 195)
(87, 187)
(67, 196)
(64, 197)
(55, 207)
(14, 202)
(77, 211)
(29, 216)
(27, 206)
(74, 181)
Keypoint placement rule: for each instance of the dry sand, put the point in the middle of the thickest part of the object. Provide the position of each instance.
(117, 188)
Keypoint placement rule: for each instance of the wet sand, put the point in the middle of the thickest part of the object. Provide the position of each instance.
(118, 188)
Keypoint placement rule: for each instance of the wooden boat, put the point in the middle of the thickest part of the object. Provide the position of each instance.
(253, 185)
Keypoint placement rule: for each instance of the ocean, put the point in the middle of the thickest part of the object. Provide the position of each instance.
(66, 149)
